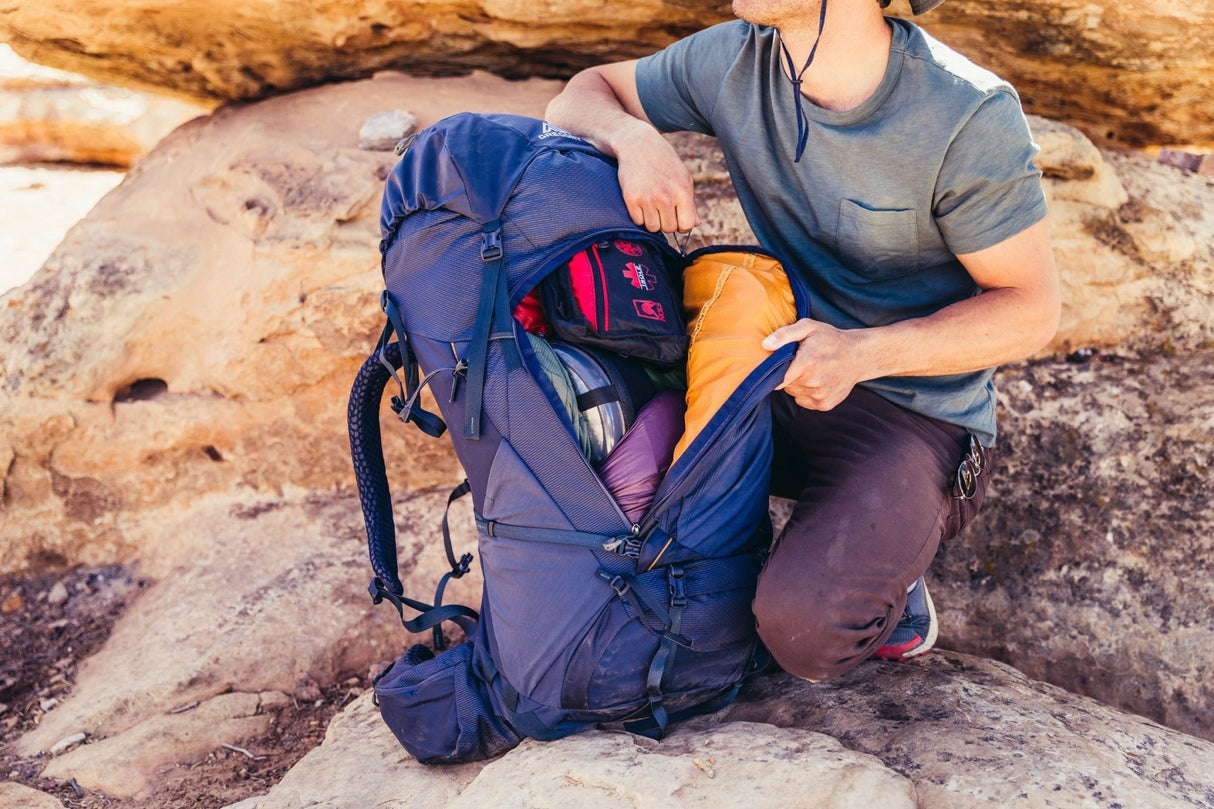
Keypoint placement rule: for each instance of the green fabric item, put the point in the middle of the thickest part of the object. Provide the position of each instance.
(556, 373)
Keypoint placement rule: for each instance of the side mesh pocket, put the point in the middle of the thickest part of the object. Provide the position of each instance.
(439, 709)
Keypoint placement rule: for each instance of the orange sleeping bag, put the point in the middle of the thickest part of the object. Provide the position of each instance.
(732, 300)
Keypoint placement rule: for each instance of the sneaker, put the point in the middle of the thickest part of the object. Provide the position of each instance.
(915, 634)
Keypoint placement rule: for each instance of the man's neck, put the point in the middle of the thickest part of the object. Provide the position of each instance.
(851, 57)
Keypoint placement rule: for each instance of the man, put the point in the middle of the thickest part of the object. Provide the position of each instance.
(897, 179)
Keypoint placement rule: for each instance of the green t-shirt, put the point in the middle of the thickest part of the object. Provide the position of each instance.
(938, 161)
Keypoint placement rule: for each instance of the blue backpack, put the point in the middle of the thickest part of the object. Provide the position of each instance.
(587, 618)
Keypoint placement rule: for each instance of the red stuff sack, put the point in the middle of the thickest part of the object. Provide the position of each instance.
(618, 295)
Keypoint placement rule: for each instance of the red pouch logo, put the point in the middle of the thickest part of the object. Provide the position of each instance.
(640, 276)
(628, 248)
(650, 310)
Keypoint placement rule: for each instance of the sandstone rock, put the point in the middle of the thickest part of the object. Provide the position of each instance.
(384, 130)
(948, 731)
(1132, 246)
(1143, 65)
(769, 766)
(1179, 159)
(711, 766)
(42, 204)
(124, 765)
(232, 51)
(264, 595)
(58, 594)
(183, 459)
(1078, 569)
(200, 330)
(1073, 167)
(329, 778)
(50, 115)
(66, 743)
(970, 732)
(1134, 73)
(19, 796)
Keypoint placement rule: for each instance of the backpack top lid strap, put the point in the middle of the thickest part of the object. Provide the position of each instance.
(492, 316)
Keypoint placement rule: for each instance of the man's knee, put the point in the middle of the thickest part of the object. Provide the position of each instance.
(817, 638)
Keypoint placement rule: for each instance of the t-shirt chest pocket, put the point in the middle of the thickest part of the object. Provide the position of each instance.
(877, 244)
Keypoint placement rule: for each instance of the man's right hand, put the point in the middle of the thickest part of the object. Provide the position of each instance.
(658, 189)
(601, 104)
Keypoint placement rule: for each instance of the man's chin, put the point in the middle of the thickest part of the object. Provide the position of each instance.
(753, 11)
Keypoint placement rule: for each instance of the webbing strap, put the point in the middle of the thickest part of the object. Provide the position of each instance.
(458, 566)
(461, 565)
(636, 597)
(492, 307)
(405, 405)
(597, 396)
(431, 615)
(662, 658)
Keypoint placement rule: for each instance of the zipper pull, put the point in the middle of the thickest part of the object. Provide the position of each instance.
(457, 373)
(626, 544)
(632, 542)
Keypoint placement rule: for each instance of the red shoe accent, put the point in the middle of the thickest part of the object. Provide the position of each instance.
(897, 653)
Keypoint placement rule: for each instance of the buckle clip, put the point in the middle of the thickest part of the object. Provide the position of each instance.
(491, 245)
(678, 593)
(615, 582)
(462, 566)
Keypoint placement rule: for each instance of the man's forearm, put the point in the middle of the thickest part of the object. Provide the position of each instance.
(1015, 317)
(590, 108)
(998, 326)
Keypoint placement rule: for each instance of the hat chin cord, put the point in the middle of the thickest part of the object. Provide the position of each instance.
(795, 76)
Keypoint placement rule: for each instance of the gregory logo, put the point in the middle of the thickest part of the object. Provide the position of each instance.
(550, 131)
(650, 310)
(640, 276)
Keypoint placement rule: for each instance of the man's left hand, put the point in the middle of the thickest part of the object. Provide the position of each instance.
(826, 366)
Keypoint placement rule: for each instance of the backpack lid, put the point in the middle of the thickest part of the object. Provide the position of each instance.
(447, 165)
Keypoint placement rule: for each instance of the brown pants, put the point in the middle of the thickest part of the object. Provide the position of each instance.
(874, 489)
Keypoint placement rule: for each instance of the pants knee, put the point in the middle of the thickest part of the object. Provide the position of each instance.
(818, 639)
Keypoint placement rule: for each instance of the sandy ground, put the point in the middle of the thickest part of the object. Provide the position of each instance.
(38, 205)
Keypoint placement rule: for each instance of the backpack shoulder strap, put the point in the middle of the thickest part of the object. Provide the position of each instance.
(375, 496)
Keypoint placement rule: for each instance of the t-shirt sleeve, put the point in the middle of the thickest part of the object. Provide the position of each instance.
(988, 188)
(678, 86)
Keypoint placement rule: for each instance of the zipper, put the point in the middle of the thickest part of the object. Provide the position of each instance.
(631, 543)
(706, 443)
(672, 484)
(528, 356)
(603, 312)
(526, 284)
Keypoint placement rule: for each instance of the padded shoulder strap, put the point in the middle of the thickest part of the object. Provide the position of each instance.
(366, 451)
(375, 496)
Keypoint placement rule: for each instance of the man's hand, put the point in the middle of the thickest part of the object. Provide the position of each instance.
(657, 187)
(601, 104)
(826, 366)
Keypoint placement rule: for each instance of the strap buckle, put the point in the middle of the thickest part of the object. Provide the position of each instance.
(491, 245)
(465, 563)
(678, 592)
